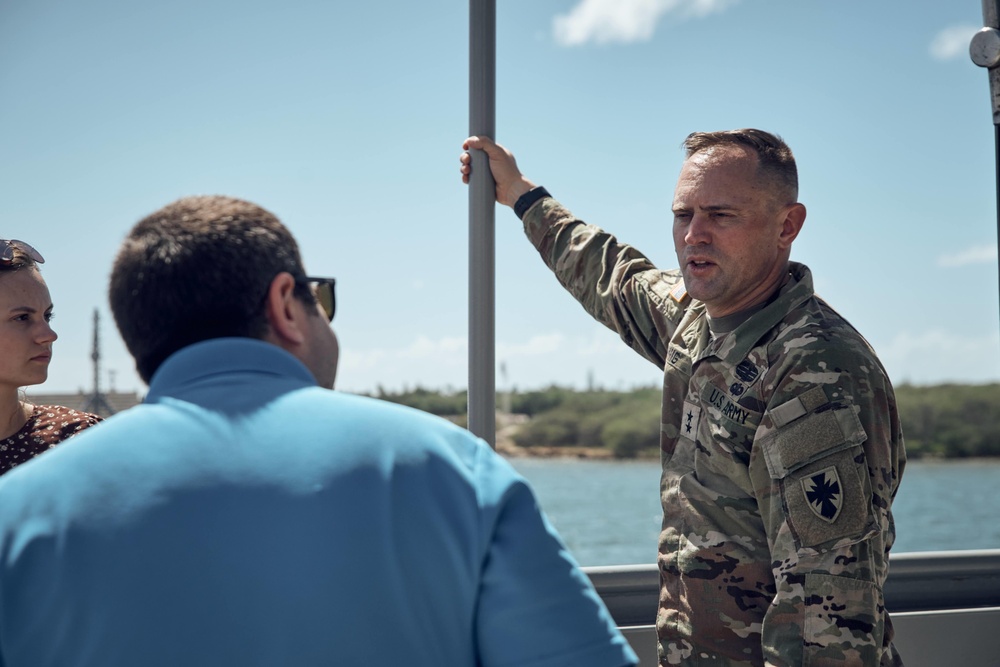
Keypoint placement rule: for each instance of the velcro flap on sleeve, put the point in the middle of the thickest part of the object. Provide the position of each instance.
(801, 405)
(810, 438)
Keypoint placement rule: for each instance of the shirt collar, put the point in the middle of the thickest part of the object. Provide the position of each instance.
(200, 363)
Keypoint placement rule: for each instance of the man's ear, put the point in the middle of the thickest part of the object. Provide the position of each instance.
(791, 224)
(285, 312)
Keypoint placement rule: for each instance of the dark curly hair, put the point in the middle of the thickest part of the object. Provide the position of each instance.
(198, 269)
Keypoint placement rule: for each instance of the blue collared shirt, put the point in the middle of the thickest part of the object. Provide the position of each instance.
(244, 516)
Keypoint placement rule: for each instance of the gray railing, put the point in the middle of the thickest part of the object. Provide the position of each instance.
(918, 581)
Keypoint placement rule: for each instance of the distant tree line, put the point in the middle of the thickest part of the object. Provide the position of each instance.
(943, 421)
(950, 420)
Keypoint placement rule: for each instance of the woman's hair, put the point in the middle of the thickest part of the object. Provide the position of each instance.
(16, 255)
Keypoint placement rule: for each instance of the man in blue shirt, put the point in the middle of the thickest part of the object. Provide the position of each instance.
(246, 515)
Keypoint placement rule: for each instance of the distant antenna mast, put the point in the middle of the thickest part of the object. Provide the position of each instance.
(97, 403)
(95, 354)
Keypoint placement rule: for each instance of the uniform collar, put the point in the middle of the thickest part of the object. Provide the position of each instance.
(736, 345)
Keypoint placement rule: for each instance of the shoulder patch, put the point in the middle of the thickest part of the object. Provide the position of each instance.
(824, 493)
(828, 503)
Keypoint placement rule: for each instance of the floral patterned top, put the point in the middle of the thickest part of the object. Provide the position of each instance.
(47, 426)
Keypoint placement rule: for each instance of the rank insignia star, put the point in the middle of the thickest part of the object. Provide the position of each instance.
(689, 421)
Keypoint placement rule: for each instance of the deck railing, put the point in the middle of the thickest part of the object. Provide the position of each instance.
(918, 581)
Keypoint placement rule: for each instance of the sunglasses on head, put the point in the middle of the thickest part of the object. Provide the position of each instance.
(7, 251)
(322, 289)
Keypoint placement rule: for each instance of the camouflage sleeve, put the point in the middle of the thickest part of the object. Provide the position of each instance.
(614, 282)
(826, 465)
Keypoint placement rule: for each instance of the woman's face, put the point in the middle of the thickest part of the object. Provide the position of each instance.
(25, 335)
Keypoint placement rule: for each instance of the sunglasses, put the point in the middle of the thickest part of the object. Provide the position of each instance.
(322, 289)
(7, 251)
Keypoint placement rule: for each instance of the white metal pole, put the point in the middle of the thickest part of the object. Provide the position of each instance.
(482, 197)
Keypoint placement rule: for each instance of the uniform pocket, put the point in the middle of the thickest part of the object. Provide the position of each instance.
(819, 466)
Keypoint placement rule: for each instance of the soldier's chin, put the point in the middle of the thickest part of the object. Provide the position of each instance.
(697, 288)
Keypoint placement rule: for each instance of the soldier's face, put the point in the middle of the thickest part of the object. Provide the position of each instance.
(732, 238)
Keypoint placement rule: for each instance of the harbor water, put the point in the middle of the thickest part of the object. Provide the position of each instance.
(608, 512)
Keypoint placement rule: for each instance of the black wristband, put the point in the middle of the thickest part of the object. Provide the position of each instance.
(525, 201)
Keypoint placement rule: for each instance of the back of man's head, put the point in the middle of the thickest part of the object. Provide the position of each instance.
(198, 269)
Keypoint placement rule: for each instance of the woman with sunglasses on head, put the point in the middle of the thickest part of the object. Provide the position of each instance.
(26, 339)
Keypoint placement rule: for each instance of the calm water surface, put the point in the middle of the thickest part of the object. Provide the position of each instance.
(608, 512)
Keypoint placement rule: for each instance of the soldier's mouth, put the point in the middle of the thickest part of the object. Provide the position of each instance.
(700, 264)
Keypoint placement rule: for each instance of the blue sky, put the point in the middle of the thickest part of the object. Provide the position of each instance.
(346, 119)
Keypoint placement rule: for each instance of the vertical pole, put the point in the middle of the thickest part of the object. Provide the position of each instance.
(482, 196)
(996, 148)
(991, 20)
(985, 52)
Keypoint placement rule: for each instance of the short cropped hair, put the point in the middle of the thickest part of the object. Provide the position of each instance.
(774, 158)
(198, 269)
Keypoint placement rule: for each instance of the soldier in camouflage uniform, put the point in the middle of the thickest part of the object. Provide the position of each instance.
(781, 445)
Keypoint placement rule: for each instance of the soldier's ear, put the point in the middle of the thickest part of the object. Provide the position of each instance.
(793, 217)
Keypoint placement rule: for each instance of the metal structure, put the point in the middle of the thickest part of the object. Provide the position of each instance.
(945, 606)
(985, 52)
(920, 581)
(482, 197)
(97, 403)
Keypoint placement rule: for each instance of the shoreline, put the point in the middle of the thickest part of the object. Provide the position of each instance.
(510, 450)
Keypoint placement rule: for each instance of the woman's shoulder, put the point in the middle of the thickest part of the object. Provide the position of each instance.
(61, 420)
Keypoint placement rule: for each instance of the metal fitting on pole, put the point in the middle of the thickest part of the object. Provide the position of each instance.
(985, 51)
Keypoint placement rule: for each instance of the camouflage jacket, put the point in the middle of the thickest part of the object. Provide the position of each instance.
(781, 453)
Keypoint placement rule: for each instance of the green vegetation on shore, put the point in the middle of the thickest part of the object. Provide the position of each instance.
(943, 421)
(950, 420)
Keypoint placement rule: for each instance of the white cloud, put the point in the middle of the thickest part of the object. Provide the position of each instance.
(424, 347)
(534, 346)
(601, 344)
(536, 361)
(625, 21)
(447, 351)
(937, 356)
(952, 42)
(982, 254)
